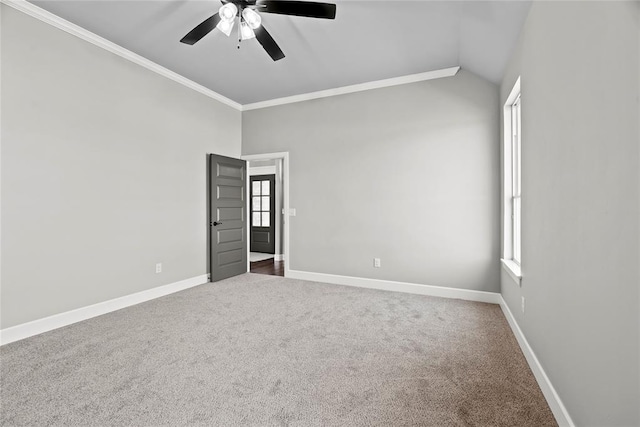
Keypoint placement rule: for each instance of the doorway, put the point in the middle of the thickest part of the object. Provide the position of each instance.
(262, 214)
(267, 227)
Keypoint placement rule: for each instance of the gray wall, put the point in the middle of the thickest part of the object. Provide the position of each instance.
(408, 174)
(580, 254)
(103, 173)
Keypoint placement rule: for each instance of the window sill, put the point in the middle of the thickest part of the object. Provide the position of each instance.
(513, 269)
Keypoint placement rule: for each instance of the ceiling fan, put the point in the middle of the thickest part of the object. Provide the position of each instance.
(247, 13)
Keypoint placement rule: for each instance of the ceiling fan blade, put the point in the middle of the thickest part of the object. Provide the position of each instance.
(298, 8)
(201, 30)
(268, 43)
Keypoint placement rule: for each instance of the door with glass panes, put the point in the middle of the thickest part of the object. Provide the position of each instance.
(263, 206)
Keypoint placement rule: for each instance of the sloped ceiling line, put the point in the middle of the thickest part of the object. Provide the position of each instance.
(75, 30)
(324, 58)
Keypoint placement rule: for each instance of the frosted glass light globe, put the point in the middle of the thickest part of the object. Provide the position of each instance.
(246, 32)
(225, 27)
(252, 18)
(228, 12)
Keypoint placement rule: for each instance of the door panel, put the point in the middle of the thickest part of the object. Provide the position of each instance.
(227, 236)
(231, 214)
(229, 258)
(228, 217)
(263, 206)
(261, 237)
(228, 192)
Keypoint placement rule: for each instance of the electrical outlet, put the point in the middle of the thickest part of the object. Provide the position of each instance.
(523, 304)
(376, 262)
(159, 267)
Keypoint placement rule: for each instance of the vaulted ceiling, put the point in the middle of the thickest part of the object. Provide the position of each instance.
(368, 41)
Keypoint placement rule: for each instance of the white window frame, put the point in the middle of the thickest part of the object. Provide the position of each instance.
(516, 179)
(512, 184)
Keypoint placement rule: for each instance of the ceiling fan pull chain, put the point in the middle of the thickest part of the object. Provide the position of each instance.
(239, 27)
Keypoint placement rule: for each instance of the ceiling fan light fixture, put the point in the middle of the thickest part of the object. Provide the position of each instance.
(228, 12)
(248, 13)
(225, 27)
(246, 32)
(252, 18)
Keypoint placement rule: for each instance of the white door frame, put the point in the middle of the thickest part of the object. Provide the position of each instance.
(278, 216)
(285, 218)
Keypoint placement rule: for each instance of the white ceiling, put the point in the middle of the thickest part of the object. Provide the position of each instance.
(368, 41)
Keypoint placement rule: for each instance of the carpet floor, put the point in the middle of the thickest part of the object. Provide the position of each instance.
(268, 351)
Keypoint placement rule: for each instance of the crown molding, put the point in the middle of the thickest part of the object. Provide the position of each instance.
(395, 81)
(73, 29)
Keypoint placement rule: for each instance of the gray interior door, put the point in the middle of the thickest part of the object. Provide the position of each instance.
(263, 207)
(227, 224)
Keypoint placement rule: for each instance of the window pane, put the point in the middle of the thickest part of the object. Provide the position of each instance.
(519, 150)
(256, 203)
(265, 188)
(515, 147)
(256, 188)
(265, 204)
(256, 219)
(265, 219)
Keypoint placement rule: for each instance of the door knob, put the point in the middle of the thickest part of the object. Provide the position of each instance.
(216, 223)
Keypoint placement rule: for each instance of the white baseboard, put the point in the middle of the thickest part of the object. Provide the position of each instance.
(386, 285)
(279, 257)
(557, 407)
(39, 326)
(56, 321)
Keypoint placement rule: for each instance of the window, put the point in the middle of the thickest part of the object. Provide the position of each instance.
(260, 203)
(512, 185)
(516, 188)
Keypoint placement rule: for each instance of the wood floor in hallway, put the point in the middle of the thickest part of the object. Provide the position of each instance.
(268, 266)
